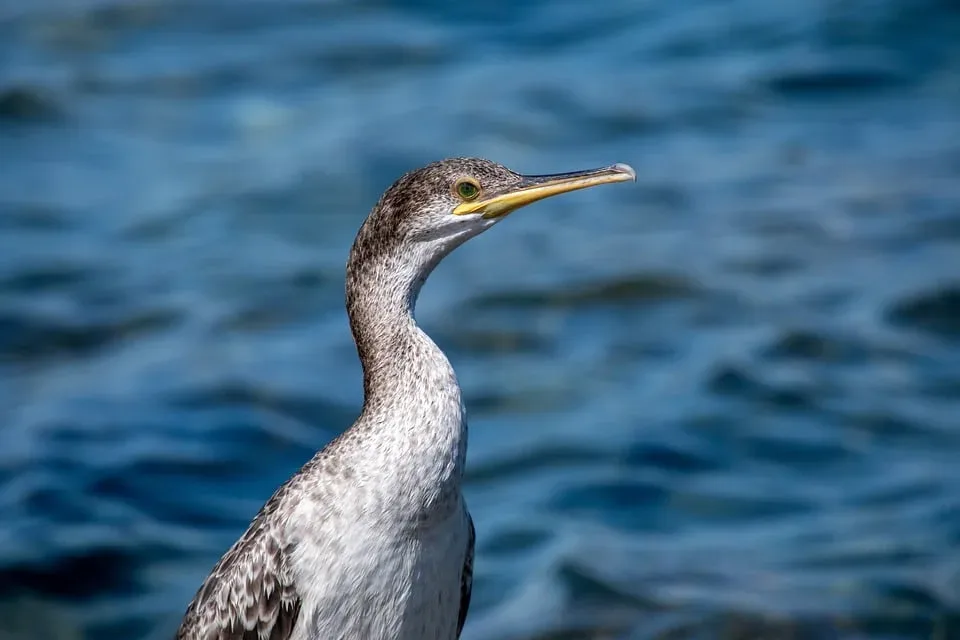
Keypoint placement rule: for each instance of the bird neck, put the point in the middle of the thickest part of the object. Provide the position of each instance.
(381, 300)
(410, 389)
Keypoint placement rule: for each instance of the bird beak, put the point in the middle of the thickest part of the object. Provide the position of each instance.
(533, 188)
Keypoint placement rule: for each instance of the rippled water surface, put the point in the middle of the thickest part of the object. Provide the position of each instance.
(721, 403)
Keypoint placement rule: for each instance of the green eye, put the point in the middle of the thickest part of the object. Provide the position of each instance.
(467, 189)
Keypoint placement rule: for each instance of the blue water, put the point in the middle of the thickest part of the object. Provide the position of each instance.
(721, 403)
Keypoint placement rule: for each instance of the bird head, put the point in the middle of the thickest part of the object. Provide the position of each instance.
(434, 209)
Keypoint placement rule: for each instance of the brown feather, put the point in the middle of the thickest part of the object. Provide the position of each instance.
(466, 578)
(249, 595)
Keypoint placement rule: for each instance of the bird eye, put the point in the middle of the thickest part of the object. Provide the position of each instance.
(468, 189)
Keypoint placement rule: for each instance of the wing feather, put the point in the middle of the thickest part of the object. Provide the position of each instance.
(466, 579)
(249, 595)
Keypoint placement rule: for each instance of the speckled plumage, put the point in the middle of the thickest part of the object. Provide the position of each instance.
(374, 498)
(371, 538)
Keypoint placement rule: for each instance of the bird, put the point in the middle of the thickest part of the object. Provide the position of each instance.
(371, 538)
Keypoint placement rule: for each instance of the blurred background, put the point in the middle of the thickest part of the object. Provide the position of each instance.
(721, 403)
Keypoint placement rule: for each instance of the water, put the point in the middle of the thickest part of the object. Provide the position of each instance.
(719, 403)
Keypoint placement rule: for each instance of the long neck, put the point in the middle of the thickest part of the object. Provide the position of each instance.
(411, 393)
(381, 298)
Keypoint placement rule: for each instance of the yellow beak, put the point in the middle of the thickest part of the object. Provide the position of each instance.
(533, 188)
